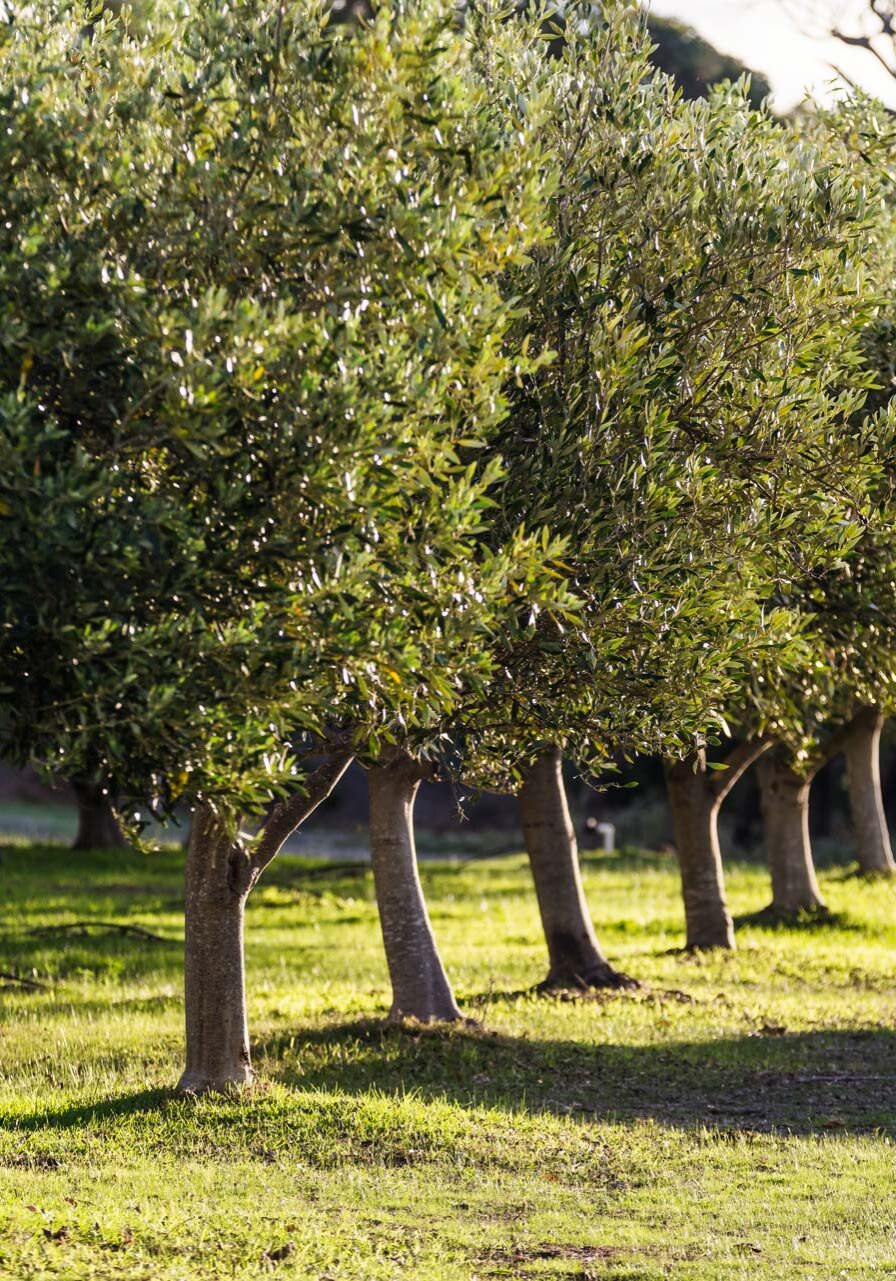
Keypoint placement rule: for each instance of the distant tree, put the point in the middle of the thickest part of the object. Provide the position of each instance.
(870, 27)
(688, 439)
(835, 696)
(695, 65)
(98, 827)
(864, 594)
(683, 433)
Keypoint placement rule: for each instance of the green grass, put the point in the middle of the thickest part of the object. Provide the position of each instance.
(734, 1119)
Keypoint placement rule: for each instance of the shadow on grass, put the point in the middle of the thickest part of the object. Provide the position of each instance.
(105, 954)
(766, 1081)
(81, 1114)
(770, 918)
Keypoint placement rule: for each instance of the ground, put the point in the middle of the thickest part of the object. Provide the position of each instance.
(735, 1118)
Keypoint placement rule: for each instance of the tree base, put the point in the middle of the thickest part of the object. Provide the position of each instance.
(875, 873)
(196, 1083)
(593, 979)
(816, 914)
(425, 1016)
(412, 1023)
(710, 945)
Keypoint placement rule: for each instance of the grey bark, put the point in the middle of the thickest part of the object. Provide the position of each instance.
(218, 880)
(862, 751)
(420, 987)
(98, 828)
(784, 796)
(574, 954)
(695, 815)
(220, 873)
(695, 798)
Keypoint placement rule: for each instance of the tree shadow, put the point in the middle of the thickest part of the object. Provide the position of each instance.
(636, 991)
(853, 872)
(50, 959)
(769, 1081)
(79, 1114)
(771, 918)
(766, 1081)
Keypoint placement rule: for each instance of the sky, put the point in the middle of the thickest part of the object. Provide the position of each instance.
(785, 39)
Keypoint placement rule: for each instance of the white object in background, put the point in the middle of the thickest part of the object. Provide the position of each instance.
(608, 832)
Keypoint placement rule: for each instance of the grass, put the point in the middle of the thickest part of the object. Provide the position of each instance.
(733, 1119)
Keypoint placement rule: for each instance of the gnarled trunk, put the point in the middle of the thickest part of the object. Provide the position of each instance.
(695, 814)
(217, 886)
(220, 873)
(575, 958)
(862, 750)
(785, 812)
(420, 987)
(98, 827)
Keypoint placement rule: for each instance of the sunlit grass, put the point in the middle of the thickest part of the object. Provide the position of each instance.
(734, 1118)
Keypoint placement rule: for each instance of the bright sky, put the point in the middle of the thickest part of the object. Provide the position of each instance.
(791, 50)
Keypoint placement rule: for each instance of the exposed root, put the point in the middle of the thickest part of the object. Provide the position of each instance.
(603, 978)
(91, 929)
(8, 979)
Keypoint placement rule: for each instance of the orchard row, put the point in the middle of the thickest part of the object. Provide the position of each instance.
(447, 393)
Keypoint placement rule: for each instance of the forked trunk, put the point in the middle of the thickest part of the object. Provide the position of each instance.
(420, 987)
(98, 827)
(219, 876)
(785, 812)
(575, 958)
(695, 813)
(862, 750)
(215, 994)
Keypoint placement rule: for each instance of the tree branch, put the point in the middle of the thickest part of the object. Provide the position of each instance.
(9, 979)
(329, 742)
(863, 42)
(292, 812)
(738, 761)
(835, 744)
(883, 11)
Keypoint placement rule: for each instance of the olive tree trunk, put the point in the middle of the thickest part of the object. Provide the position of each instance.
(574, 954)
(784, 797)
(695, 816)
(217, 885)
(862, 751)
(695, 798)
(420, 987)
(220, 873)
(98, 828)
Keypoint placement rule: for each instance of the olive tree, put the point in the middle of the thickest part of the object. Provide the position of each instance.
(253, 296)
(699, 296)
(691, 317)
(833, 689)
(834, 701)
(858, 603)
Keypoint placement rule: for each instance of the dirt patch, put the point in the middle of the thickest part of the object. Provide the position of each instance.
(534, 1253)
(30, 1161)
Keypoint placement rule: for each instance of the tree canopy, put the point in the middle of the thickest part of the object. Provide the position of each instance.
(691, 429)
(251, 285)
